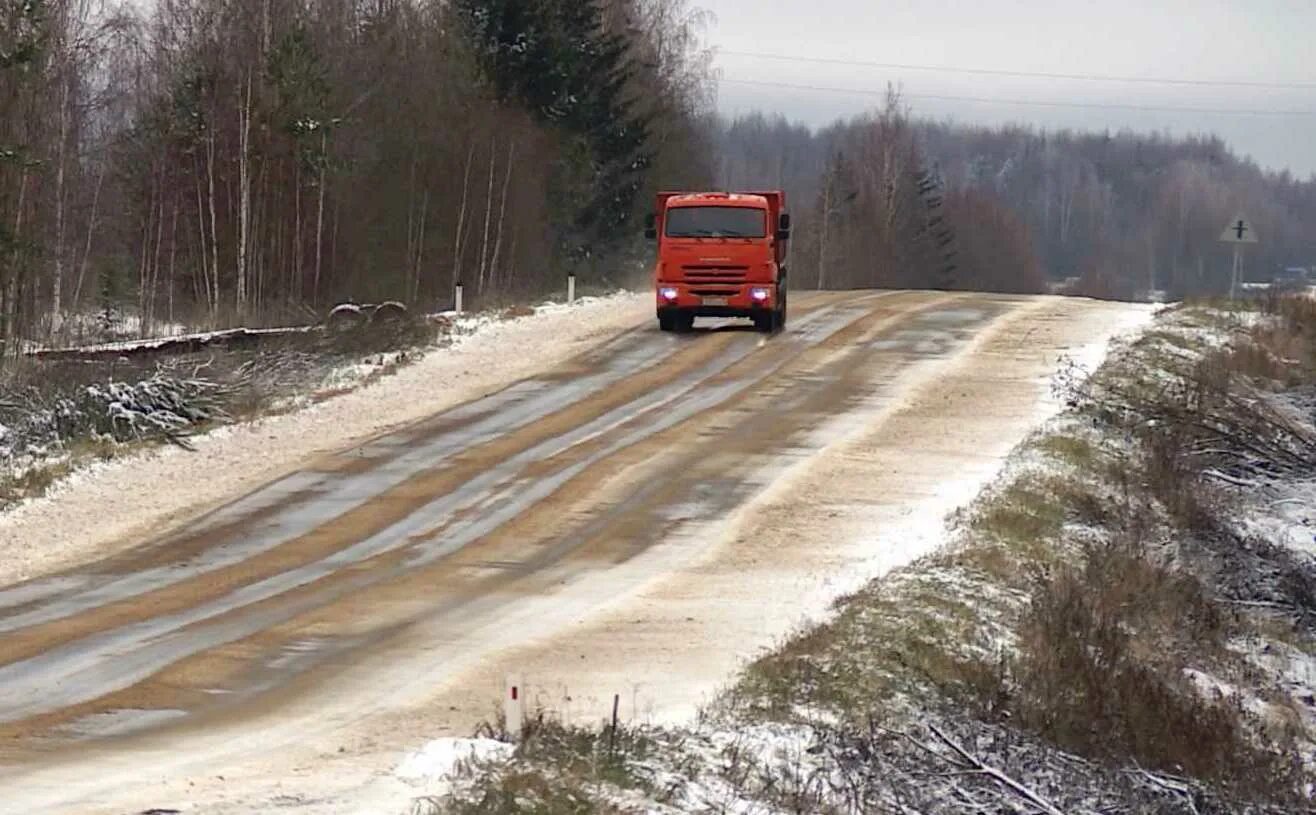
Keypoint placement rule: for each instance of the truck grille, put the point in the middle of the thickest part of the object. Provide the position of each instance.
(715, 274)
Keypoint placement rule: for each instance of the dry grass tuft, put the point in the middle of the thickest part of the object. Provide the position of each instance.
(557, 768)
(513, 312)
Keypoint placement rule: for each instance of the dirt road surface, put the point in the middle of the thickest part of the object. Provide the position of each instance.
(638, 520)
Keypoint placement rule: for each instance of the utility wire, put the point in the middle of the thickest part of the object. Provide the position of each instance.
(1148, 80)
(1032, 102)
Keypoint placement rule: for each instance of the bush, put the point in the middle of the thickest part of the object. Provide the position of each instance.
(1102, 670)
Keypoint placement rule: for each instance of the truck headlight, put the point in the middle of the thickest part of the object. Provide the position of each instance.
(668, 293)
(760, 295)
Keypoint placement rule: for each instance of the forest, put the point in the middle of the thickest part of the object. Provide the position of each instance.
(212, 162)
(207, 163)
(887, 199)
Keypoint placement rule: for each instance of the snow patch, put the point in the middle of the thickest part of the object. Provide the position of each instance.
(438, 758)
(1287, 517)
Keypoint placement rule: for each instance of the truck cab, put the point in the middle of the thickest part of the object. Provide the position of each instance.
(720, 254)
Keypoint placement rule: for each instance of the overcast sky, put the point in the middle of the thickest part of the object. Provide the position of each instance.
(1261, 41)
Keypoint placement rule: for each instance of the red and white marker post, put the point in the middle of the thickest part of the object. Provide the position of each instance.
(514, 707)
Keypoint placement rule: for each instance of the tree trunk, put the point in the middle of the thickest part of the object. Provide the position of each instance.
(420, 247)
(461, 219)
(824, 221)
(91, 229)
(148, 316)
(144, 265)
(204, 277)
(488, 213)
(10, 315)
(173, 254)
(502, 209)
(319, 216)
(244, 195)
(61, 172)
(214, 231)
(295, 280)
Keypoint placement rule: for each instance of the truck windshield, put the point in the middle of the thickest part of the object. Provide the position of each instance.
(716, 222)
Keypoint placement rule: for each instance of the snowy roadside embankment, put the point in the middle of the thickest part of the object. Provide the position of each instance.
(105, 506)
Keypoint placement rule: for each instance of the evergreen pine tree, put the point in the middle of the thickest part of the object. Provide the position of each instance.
(554, 58)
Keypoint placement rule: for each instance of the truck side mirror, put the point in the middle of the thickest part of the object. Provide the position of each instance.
(650, 227)
(784, 226)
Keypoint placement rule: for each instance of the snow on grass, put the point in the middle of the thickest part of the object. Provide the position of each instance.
(441, 757)
(345, 377)
(1285, 515)
(1294, 670)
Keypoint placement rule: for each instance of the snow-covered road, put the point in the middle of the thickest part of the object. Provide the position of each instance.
(636, 519)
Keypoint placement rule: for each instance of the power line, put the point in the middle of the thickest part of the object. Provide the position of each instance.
(1028, 102)
(1147, 80)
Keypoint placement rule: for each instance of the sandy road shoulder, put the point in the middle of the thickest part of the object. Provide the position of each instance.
(104, 509)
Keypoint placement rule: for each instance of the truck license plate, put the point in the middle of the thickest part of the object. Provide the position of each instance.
(714, 301)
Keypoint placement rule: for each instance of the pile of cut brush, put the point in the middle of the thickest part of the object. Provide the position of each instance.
(167, 404)
(956, 764)
(61, 411)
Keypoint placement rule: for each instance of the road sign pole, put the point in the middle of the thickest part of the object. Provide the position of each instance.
(1236, 275)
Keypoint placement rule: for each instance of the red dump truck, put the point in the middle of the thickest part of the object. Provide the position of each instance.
(720, 254)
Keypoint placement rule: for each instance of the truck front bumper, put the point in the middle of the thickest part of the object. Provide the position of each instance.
(722, 300)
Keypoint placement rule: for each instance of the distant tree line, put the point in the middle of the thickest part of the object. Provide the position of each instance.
(889, 200)
(210, 162)
(207, 162)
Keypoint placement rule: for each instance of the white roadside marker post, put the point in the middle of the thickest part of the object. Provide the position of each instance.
(514, 707)
(571, 289)
(457, 299)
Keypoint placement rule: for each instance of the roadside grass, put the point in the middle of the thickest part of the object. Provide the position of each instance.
(518, 310)
(32, 482)
(36, 480)
(889, 643)
(557, 768)
(1102, 670)
(1073, 450)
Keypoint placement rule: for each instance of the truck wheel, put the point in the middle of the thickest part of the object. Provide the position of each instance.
(765, 322)
(685, 323)
(666, 323)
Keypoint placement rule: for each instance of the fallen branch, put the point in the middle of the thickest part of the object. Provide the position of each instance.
(998, 776)
(1229, 479)
(1264, 604)
(1169, 785)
